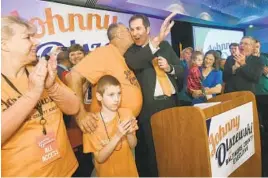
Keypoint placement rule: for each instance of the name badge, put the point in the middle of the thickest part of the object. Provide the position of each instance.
(47, 145)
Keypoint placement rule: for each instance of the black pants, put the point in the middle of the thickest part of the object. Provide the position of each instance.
(145, 152)
(262, 106)
(85, 163)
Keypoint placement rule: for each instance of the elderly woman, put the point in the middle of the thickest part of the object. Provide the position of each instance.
(211, 78)
(34, 140)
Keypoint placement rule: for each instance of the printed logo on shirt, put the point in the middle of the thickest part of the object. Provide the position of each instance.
(8, 103)
(48, 106)
(131, 78)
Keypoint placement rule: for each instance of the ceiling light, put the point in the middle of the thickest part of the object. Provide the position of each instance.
(177, 8)
(205, 16)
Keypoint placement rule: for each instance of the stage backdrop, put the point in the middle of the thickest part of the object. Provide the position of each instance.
(206, 38)
(261, 35)
(64, 25)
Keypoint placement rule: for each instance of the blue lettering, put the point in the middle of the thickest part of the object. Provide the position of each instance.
(221, 154)
(45, 48)
(96, 45)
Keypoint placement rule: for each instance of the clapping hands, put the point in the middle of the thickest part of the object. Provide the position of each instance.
(240, 59)
(43, 75)
(127, 127)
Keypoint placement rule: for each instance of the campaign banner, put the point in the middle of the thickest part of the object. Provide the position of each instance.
(230, 139)
(64, 25)
(206, 39)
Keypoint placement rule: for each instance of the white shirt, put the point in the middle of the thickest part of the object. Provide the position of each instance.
(158, 89)
(64, 67)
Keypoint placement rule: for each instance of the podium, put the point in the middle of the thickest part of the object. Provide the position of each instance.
(184, 147)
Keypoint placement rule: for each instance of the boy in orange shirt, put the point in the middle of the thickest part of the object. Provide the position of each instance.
(115, 136)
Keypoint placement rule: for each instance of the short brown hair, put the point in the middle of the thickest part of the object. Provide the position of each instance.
(112, 29)
(106, 80)
(145, 20)
(217, 58)
(76, 47)
(62, 56)
(233, 44)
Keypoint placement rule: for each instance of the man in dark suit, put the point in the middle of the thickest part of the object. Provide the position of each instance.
(141, 58)
(242, 71)
(262, 86)
(64, 65)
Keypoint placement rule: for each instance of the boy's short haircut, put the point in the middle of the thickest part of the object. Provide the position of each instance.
(104, 81)
(195, 54)
(76, 47)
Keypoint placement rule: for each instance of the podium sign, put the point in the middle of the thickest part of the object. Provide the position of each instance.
(230, 139)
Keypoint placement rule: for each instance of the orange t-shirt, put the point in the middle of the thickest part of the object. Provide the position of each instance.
(23, 154)
(121, 162)
(108, 61)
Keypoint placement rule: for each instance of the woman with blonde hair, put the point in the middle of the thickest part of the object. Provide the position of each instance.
(34, 140)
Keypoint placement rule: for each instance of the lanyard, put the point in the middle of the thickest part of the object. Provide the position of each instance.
(38, 106)
(106, 130)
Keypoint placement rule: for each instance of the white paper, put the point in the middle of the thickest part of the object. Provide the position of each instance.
(206, 105)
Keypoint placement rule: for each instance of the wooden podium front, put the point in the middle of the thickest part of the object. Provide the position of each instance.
(181, 138)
